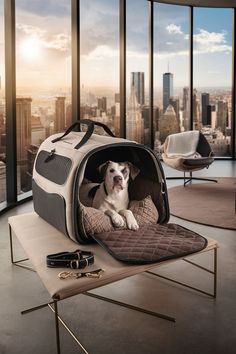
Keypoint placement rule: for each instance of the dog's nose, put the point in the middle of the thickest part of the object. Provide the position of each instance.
(117, 179)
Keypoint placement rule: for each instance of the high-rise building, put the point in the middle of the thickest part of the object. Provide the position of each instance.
(23, 141)
(137, 81)
(102, 104)
(134, 121)
(175, 104)
(209, 109)
(167, 89)
(222, 115)
(23, 127)
(117, 98)
(186, 109)
(196, 111)
(205, 102)
(59, 123)
(168, 123)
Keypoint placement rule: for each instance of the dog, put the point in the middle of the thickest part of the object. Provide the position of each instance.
(112, 196)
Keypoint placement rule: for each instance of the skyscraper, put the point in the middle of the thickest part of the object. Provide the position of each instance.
(205, 102)
(137, 80)
(134, 121)
(168, 123)
(167, 89)
(59, 123)
(23, 141)
(222, 115)
(23, 127)
(102, 104)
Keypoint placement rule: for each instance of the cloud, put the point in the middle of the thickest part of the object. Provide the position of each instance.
(45, 8)
(59, 41)
(210, 42)
(174, 29)
(101, 52)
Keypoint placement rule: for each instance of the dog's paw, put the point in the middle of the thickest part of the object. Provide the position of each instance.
(118, 221)
(132, 224)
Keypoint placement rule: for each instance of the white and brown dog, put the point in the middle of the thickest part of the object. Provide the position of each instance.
(112, 194)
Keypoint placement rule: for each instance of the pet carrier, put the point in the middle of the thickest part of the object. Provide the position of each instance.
(64, 160)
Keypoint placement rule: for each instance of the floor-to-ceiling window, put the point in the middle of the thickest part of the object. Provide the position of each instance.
(2, 109)
(171, 71)
(212, 76)
(99, 62)
(137, 100)
(43, 78)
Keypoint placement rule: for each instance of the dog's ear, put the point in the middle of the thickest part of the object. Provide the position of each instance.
(134, 171)
(102, 168)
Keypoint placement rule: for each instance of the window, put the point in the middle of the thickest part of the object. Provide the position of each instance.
(137, 83)
(212, 77)
(2, 109)
(99, 55)
(43, 78)
(171, 71)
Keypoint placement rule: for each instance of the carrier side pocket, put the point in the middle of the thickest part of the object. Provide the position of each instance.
(50, 207)
(53, 167)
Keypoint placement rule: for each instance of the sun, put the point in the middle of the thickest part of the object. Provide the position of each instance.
(31, 48)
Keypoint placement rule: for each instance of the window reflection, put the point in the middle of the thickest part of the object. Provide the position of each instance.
(43, 79)
(2, 109)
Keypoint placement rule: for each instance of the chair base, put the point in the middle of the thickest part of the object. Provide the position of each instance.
(190, 178)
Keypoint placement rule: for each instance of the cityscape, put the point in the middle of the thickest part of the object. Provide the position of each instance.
(41, 116)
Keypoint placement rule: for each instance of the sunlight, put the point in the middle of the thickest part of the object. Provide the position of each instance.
(31, 48)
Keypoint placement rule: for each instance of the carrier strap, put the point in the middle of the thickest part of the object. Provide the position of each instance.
(90, 129)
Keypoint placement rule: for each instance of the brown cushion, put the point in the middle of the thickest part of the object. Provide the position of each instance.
(95, 221)
(151, 243)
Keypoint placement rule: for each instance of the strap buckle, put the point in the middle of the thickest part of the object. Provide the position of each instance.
(74, 264)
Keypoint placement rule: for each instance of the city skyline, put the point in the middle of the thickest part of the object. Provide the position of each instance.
(43, 43)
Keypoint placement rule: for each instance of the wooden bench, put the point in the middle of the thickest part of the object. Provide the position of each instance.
(39, 239)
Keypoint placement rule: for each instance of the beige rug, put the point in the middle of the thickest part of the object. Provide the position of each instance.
(206, 203)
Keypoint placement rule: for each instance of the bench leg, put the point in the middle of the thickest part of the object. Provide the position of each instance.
(131, 307)
(17, 263)
(213, 272)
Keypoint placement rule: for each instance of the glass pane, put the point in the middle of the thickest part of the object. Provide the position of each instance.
(137, 109)
(99, 68)
(2, 109)
(43, 78)
(171, 71)
(212, 72)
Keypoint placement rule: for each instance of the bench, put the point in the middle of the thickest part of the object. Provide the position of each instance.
(39, 239)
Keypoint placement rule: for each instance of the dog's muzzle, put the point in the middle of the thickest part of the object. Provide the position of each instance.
(118, 182)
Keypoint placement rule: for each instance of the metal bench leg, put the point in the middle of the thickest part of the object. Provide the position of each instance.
(12, 254)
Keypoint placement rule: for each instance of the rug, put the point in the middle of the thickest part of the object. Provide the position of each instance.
(207, 203)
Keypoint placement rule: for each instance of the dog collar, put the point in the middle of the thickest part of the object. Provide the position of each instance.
(75, 260)
(105, 189)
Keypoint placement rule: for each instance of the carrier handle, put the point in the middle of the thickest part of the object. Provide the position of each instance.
(90, 123)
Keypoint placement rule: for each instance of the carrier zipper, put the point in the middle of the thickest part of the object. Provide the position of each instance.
(50, 156)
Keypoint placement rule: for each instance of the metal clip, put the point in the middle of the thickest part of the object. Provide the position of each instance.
(50, 156)
(76, 275)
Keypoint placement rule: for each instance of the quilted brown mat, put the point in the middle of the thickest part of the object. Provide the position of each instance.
(151, 243)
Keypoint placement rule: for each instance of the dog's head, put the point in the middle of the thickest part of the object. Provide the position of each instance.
(116, 174)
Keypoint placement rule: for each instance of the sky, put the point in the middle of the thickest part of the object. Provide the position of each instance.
(43, 43)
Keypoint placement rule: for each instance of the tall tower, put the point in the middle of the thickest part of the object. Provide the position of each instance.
(186, 108)
(167, 89)
(196, 111)
(134, 121)
(23, 140)
(168, 123)
(137, 81)
(59, 123)
(23, 127)
(222, 115)
(102, 104)
(205, 102)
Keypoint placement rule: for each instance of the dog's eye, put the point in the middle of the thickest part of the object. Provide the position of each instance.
(124, 171)
(112, 170)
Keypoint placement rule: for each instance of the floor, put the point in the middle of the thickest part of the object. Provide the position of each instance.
(203, 325)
